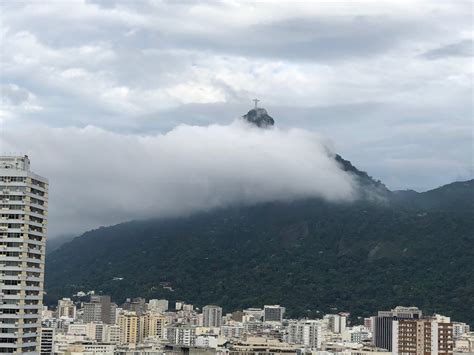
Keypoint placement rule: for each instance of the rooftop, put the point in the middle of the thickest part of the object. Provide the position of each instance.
(15, 162)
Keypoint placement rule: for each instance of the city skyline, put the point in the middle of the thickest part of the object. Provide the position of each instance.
(179, 327)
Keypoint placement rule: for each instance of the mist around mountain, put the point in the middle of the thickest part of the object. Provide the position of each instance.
(313, 256)
(54, 243)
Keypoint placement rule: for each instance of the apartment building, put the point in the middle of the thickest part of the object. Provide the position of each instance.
(422, 336)
(23, 222)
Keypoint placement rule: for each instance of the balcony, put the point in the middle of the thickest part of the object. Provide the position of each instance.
(10, 287)
(36, 196)
(37, 187)
(32, 288)
(33, 260)
(24, 345)
(13, 230)
(35, 251)
(30, 335)
(9, 210)
(35, 233)
(32, 269)
(12, 297)
(10, 325)
(12, 193)
(31, 316)
(9, 316)
(10, 277)
(34, 278)
(32, 325)
(35, 223)
(33, 297)
(12, 240)
(9, 258)
(37, 215)
(11, 249)
(9, 335)
(35, 242)
(38, 206)
(33, 306)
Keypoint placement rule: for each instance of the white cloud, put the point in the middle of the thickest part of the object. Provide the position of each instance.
(196, 93)
(371, 74)
(164, 55)
(98, 177)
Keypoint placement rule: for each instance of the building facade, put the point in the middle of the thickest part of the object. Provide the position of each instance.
(382, 324)
(337, 322)
(99, 309)
(112, 334)
(129, 324)
(422, 336)
(212, 316)
(158, 305)
(23, 223)
(66, 308)
(273, 313)
(155, 325)
(306, 332)
(185, 335)
(47, 341)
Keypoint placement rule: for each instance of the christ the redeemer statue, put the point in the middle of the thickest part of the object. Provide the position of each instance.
(256, 102)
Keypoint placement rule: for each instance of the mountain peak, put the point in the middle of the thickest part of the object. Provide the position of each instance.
(259, 117)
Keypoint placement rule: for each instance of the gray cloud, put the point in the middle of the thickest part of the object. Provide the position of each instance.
(13, 95)
(320, 39)
(463, 48)
(361, 73)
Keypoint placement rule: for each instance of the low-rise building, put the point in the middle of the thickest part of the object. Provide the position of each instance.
(273, 313)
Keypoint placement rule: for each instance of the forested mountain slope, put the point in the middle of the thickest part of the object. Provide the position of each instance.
(405, 248)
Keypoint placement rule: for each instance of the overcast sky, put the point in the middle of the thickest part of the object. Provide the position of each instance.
(387, 83)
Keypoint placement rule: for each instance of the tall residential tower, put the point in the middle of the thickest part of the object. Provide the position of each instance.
(23, 215)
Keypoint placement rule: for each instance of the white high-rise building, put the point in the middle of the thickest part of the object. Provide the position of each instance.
(336, 322)
(184, 335)
(66, 308)
(305, 332)
(23, 215)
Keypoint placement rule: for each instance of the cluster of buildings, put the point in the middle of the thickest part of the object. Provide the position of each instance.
(100, 326)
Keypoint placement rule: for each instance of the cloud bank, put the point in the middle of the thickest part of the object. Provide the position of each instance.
(99, 177)
(389, 80)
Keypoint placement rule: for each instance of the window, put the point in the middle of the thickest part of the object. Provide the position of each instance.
(10, 282)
